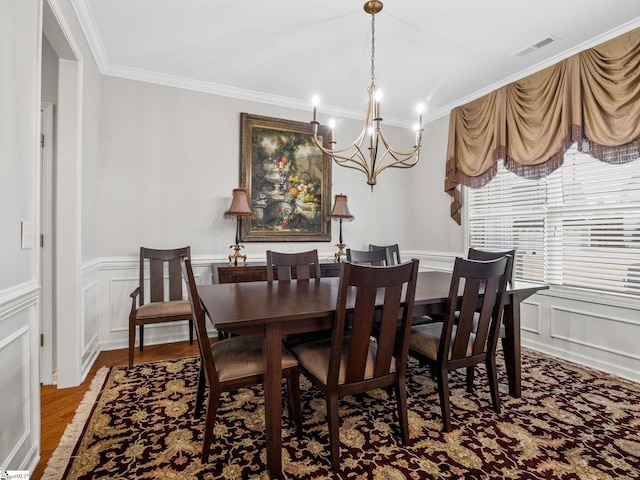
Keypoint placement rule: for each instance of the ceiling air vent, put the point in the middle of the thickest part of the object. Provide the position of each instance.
(536, 46)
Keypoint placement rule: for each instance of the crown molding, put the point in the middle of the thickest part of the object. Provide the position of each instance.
(90, 30)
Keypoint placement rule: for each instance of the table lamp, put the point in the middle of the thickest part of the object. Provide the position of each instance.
(239, 209)
(341, 212)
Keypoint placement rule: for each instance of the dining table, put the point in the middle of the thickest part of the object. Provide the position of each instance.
(270, 310)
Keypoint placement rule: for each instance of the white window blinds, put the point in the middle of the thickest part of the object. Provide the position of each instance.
(578, 227)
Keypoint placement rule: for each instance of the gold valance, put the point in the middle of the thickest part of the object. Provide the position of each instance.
(530, 124)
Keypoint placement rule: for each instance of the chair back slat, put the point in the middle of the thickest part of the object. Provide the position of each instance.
(367, 257)
(481, 307)
(157, 260)
(305, 265)
(175, 279)
(388, 329)
(156, 280)
(365, 286)
(392, 251)
(361, 330)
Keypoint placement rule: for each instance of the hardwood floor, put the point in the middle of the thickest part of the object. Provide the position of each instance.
(58, 406)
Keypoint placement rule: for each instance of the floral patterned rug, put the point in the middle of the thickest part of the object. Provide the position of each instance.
(571, 423)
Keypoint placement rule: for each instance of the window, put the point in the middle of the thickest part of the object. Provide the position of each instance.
(578, 227)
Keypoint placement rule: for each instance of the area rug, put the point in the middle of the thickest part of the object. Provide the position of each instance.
(571, 423)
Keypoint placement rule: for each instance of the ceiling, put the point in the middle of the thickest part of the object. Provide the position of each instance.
(284, 52)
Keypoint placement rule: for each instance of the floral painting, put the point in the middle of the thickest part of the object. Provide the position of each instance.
(287, 178)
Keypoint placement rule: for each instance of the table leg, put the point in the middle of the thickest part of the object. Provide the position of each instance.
(511, 345)
(273, 397)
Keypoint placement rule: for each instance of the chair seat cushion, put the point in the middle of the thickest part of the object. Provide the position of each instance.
(422, 320)
(241, 356)
(425, 339)
(476, 319)
(164, 309)
(314, 357)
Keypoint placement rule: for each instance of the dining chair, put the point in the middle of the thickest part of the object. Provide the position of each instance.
(351, 361)
(392, 254)
(392, 251)
(158, 308)
(451, 345)
(301, 265)
(367, 257)
(230, 364)
(476, 254)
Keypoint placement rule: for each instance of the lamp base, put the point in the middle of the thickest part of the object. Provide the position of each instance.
(340, 252)
(236, 255)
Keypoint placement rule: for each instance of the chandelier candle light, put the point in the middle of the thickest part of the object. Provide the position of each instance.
(353, 155)
(341, 212)
(239, 209)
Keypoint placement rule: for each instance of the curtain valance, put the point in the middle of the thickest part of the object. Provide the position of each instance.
(592, 98)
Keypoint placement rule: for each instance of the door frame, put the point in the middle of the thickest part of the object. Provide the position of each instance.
(45, 241)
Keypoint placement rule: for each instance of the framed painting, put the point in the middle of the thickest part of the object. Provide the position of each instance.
(287, 179)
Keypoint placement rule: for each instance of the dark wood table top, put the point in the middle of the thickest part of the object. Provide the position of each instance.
(245, 305)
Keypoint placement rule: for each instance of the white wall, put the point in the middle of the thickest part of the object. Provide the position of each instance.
(170, 159)
(20, 22)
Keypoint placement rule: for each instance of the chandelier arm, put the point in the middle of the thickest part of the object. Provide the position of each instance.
(400, 152)
(342, 160)
(357, 157)
(331, 151)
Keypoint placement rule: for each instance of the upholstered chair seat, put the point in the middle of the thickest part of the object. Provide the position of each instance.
(425, 339)
(160, 309)
(240, 356)
(314, 357)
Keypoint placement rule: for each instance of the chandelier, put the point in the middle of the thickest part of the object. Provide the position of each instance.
(381, 155)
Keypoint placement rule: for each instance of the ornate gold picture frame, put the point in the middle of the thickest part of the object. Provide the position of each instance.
(287, 179)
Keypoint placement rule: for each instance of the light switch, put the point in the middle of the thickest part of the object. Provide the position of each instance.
(27, 235)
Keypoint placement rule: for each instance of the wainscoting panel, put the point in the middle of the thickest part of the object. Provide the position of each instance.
(20, 411)
(530, 317)
(90, 347)
(604, 333)
(594, 334)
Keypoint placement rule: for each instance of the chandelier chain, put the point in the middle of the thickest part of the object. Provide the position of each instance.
(373, 49)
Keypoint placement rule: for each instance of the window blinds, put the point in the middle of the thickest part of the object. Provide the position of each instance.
(577, 227)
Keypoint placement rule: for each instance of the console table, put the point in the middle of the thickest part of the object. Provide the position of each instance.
(222, 273)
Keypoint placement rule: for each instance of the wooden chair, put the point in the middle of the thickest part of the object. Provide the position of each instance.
(392, 255)
(159, 308)
(392, 251)
(350, 362)
(451, 346)
(368, 257)
(299, 266)
(227, 365)
(484, 255)
(304, 264)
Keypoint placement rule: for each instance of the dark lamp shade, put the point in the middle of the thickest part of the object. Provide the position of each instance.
(239, 205)
(340, 208)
